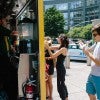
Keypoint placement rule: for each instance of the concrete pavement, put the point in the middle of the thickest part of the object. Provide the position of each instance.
(76, 78)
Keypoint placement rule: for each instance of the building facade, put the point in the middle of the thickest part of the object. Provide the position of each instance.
(76, 12)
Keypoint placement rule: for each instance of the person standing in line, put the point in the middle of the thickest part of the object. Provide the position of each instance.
(93, 82)
(60, 54)
(50, 63)
(7, 72)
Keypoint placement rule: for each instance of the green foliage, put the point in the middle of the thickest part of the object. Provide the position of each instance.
(83, 32)
(75, 32)
(53, 22)
(86, 32)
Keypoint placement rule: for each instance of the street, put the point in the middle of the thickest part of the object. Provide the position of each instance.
(76, 78)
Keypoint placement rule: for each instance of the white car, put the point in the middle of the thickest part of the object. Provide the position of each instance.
(75, 53)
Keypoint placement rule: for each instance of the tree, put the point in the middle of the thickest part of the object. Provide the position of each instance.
(75, 32)
(83, 32)
(86, 32)
(53, 22)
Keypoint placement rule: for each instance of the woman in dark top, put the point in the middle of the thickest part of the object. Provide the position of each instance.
(50, 63)
(60, 55)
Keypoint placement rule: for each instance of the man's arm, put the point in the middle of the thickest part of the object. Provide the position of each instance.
(90, 55)
(82, 46)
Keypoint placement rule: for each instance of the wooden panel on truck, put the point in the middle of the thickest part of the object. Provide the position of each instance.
(23, 72)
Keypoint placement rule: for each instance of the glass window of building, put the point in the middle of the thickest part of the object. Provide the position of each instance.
(66, 22)
(75, 4)
(71, 23)
(63, 6)
(71, 15)
(65, 15)
(48, 6)
(78, 13)
(90, 2)
(96, 11)
(92, 12)
(96, 1)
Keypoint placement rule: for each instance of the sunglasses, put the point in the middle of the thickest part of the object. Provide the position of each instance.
(95, 35)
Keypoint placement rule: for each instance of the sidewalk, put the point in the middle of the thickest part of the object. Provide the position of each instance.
(76, 78)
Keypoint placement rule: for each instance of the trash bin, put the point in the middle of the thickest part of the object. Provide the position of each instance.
(88, 61)
(67, 62)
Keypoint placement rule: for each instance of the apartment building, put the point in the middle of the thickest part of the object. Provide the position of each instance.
(76, 12)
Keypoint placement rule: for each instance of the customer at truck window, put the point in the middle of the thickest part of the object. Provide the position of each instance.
(8, 79)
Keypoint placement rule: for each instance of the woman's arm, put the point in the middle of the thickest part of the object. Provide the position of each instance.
(54, 47)
(57, 53)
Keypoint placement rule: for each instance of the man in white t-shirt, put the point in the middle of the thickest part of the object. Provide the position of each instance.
(93, 82)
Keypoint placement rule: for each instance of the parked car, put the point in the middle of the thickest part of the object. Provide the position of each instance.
(54, 41)
(75, 53)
